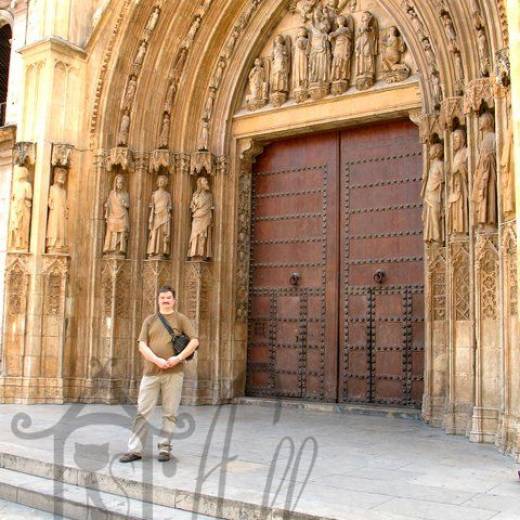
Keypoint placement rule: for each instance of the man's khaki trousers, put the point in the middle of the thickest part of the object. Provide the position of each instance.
(170, 388)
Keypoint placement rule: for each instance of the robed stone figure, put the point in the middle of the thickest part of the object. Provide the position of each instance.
(319, 59)
(432, 194)
(367, 48)
(202, 211)
(159, 223)
(485, 182)
(57, 221)
(117, 219)
(21, 205)
(458, 197)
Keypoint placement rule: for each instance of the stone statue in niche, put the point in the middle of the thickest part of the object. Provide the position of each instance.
(170, 96)
(432, 193)
(449, 30)
(57, 221)
(280, 67)
(124, 129)
(485, 182)
(436, 89)
(483, 51)
(117, 219)
(164, 138)
(139, 57)
(21, 205)
(202, 207)
(203, 142)
(320, 55)
(430, 55)
(258, 86)
(210, 103)
(159, 223)
(128, 98)
(393, 50)
(218, 74)
(367, 49)
(343, 38)
(300, 73)
(508, 176)
(458, 190)
(154, 18)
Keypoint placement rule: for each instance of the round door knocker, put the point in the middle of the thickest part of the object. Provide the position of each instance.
(379, 276)
(295, 279)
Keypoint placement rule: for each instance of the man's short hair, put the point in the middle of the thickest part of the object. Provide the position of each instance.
(165, 289)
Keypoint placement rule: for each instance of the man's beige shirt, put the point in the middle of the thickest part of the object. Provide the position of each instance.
(157, 338)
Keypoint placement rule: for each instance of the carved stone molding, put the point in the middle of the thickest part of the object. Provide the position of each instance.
(196, 294)
(161, 160)
(116, 287)
(17, 283)
(24, 154)
(479, 91)
(460, 279)
(510, 248)
(182, 163)
(61, 155)
(249, 150)
(55, 275)
(486, 255)
(156, 273)
(436, 266)
(120, 156)
(452, 110)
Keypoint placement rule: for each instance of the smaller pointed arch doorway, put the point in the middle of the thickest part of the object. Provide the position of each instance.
(336, 299)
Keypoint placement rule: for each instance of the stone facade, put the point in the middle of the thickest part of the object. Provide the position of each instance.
(111, 102)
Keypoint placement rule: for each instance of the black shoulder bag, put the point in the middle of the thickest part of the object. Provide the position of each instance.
(179, 341)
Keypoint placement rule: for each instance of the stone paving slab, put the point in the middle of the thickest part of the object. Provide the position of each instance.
(11, 511)
(331, 465)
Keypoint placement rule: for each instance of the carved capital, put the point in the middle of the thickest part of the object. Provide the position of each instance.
(203, 161)
(428, 124)
(61, 155)
(479, 91)
(24, 154)
(452, 109)
(161, 160)
(222, 165)
(120, 156)
(249, 150)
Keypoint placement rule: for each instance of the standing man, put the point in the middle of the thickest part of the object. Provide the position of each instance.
(163, 373)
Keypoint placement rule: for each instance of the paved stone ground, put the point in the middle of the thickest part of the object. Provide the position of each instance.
(337, 465)
(10, 511)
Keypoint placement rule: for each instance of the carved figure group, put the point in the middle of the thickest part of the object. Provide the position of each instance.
(117, 219)
(318, 59)
(159, 222)
(202, 207)
(57, 220)
(21, 206)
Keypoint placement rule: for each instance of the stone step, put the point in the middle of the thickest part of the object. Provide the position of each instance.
(118, 491)
(375, 410)
(76, 502)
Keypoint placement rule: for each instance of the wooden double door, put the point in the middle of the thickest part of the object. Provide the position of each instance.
(337, 271)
